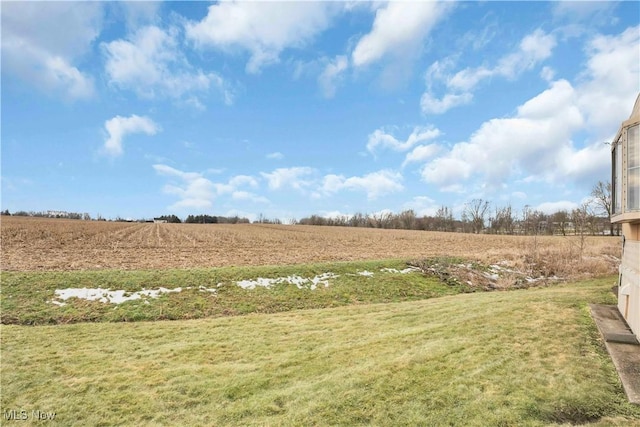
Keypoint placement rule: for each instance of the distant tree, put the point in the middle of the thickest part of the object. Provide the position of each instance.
(407, 219)
(502, 222)
(561, 221)
(6, 212)
(581, 218)
(601, 193)
(358, 220)
(475, 212)
(170, 218)
(444, 219)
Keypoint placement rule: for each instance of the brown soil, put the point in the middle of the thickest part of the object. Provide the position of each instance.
(40, 244)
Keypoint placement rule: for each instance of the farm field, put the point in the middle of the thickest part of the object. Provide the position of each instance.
(37, 244)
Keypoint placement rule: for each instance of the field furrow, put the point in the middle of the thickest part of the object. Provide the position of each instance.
(52, 244)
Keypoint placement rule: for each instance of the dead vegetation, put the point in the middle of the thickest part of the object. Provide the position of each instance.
(40, 244)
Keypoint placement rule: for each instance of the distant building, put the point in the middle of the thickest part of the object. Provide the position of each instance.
(58, 214)
(625, 154)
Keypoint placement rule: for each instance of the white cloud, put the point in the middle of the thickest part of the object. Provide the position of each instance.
(151, 64)
(422, 206)
(375, 184)
(547, 73)
(447, 171)
(468, 78)
(537, 141)
(398, 28)
(611, 80)
(288, 178)
(248, 196)
(380, 138)
(553, 207)
(240, 180)
(194, 191)
(138, 13)
(533, 141)
(263, 29)
(585, 163)
(533, 49)
(581, 10)
(332, 75)
(41, 51)
(275, 155)
(432, 105)
(421, 153)
(118, 127)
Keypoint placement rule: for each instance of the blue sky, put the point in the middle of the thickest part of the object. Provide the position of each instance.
(290, 109)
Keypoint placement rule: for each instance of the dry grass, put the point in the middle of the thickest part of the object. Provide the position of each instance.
(37, 244)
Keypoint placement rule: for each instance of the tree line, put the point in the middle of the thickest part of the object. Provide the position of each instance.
(480, 216)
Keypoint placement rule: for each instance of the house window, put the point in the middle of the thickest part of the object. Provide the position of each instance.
(633, 168)
(617, 176)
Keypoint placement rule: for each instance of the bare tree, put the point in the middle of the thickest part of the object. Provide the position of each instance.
(502, 223)
(444, 219)
(601, 194)
(581, 218)
(561, 221)
(407, 219)
(475, 211)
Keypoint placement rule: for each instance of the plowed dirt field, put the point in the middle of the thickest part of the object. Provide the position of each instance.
(40, 244)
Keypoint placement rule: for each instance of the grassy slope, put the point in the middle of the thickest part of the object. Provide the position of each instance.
(528, 357)
(25, 296)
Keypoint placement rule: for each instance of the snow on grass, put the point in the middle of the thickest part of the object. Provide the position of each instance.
(300, 282)
(403, 271)
(120, 296)
(365, 273)
(113, 297)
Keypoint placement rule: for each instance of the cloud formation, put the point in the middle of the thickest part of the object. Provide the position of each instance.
(151, 64)
(532, 50)
(375, 184)
(37, 49)
(382, 139)
(260, 28)
(536, 143)
(195, 191)
(293, 178)
(398, 29)
(119, 127)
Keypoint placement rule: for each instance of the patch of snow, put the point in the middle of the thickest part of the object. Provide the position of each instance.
(107, 295)
(251, 284)
(403, 271)
(300, 282)
(365, 273)
(494, 276)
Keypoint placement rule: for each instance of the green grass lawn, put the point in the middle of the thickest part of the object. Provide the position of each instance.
(524, 357)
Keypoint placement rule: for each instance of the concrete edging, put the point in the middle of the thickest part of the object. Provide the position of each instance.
(622, 346)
